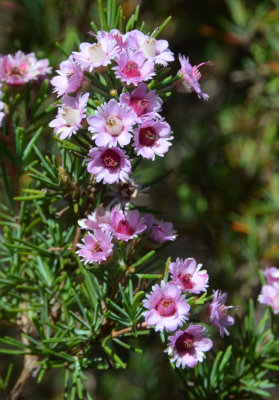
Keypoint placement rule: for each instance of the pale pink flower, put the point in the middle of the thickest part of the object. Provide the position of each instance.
(125, 225)
(167, 308)
(113, 34)
(69, 79)
(161, 231)
(143, 102)
(218, 312)
(271, 275)
(18, 69)
(156, 50)
(97, 220)
(70, 115)
(96, 247)
(270, 296)
(132, 67)
(108, 164)
(96, 55)
(190, 79)
(188, 347)
(43, 67)
(152, 138)
(112, 124)
(188, 275)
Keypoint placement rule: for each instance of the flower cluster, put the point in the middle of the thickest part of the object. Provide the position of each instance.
(270, 293)
(124, 123)
(167, 308)
(131, 122)
(106, 227)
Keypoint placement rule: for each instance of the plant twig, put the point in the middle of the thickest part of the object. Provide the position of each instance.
(141, 325)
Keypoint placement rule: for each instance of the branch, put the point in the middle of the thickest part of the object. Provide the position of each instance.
(140, 326)
(30, 361)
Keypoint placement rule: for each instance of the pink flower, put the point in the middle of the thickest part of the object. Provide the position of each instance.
(112, 124)
(97, 247)
(133, 68)
(142, 101)
(271, 275)
(108, 164)
(156, 50)
(69, 78)
(43, 67)
(152, 138)
(70, 115)
(218, 313)
(188, 347)
(97, 220)
(190, 79)
(188, 275)
(167, 308)
(125, 225)
(270, 296)
(113, 34)
(95, 55)
(21, 68)
(161, 231)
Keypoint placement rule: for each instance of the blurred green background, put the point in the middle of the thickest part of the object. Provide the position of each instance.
(222, 190)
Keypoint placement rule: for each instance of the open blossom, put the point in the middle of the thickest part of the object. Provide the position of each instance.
(160, 231)
(70, 115)
(96, 55)
(113, 34)
(190, 79)
(96, 247)
(69, 79)
(271, 275)
(112, 124)
(156, 50)
(218, 312)
(142, 101)
(188, 275)
(167, 308)
(108, 164)
(125, 225)
(133, 67)
(96, 220)
(18, 69)
(188, 347)
(270, 296)
(152, 138)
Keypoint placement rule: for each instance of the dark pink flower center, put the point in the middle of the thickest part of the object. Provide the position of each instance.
(131, 70)
(15, 71)
(139, 105)
(111, 159)
(96, 248)
(147, 136)
(166, 307)
(186, 281)
(124, 228)
(184, 343)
